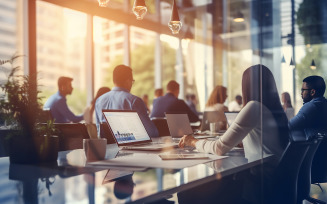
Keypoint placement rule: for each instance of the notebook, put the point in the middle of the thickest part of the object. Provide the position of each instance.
(179, 125)
(230, 117)
(129, 132)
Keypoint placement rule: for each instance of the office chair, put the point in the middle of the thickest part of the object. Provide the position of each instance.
(162, 126)
(319, 163)
(45, 116)
(285, 177)
(304, 178)
(71, 135)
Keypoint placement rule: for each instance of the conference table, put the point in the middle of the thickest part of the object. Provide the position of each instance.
(72, 180)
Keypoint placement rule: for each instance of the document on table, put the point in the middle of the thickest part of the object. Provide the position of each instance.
(152, 161)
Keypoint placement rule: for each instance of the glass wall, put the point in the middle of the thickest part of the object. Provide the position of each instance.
(61, 51)
(108, 39)
(218, 41)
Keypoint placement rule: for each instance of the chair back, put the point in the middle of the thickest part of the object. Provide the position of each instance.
(162, 126)
(71, 135)
(304, 178)
(319, 163)
(284, 186)
(45, 116)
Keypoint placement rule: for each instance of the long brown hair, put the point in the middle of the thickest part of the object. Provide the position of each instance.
(218, 95)
(100, 92)
(258, 84)
(286, 100)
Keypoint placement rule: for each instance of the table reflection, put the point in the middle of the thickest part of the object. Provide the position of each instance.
(71, 179)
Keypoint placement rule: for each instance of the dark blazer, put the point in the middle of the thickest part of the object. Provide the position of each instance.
(169, 103)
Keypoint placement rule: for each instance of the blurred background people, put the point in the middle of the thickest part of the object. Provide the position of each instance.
(145, 99)
(120, 98)
(236, 105)
(191, 102)
(157, 94)
(57, 103)
(287, 105)
(88, 113)
(170, 102)
(216, 102)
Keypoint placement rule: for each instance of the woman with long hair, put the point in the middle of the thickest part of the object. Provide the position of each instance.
(287, 105)
(262, 124)
(216, 103)
(88, 113)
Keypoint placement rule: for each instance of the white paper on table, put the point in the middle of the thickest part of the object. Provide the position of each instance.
(153, 161)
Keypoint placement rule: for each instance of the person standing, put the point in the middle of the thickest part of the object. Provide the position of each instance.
(57, 103)
(120, 98)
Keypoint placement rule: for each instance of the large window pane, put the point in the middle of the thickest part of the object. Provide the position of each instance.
(61, 37)
(142, 45)
(108, 39)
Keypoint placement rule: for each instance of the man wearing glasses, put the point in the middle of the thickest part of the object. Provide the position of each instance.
(120, 98)
(312, 117)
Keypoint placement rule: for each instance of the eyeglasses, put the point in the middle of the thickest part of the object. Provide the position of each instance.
(304, 90)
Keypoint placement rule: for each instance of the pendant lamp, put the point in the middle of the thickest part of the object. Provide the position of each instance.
(175, 24)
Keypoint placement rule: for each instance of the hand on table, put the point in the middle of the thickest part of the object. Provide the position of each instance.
(187, 141)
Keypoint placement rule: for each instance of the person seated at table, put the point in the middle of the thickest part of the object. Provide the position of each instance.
(312, 117)
(287, 105)
(191, 102)
(171, 103)
(236, 104)
(145, 99)
(57, 103)
(157, 94)
(120, 98)
(216, 103)
(88, 113)
(262, 124)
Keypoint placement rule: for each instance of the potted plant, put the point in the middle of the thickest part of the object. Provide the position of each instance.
(20, 105)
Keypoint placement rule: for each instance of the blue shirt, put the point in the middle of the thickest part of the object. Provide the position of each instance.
(312, 118)
(169, 103)
(59, 109)
(120, 99)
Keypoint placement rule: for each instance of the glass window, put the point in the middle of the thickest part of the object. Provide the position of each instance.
(142, 61)
(61, 52)
(108, 51)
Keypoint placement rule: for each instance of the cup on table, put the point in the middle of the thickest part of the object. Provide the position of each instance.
(95, 149)
(215, 127)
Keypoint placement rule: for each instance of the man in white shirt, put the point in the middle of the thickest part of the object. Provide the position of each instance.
(236, 105)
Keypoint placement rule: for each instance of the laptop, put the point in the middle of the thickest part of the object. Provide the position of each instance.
(230, 117)
(129, 132)
(179, 125)
(208, 117)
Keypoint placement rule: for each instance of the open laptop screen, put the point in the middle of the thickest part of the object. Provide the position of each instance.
(209, 117)
(179, 124)
(230, 116)
(126, 126)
